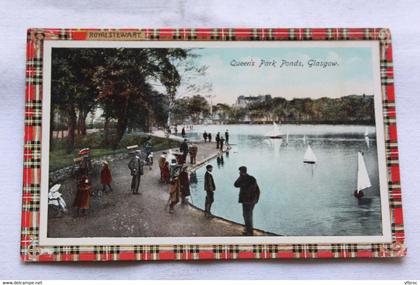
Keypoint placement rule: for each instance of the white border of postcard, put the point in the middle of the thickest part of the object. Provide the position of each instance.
(380, 139)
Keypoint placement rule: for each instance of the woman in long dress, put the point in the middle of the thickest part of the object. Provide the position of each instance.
(81, 202)
(162, 161)
(184, 184)
(174, 193)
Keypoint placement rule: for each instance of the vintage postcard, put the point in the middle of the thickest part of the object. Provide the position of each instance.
(178, 144)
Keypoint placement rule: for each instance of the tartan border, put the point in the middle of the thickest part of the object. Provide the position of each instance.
(30, 249)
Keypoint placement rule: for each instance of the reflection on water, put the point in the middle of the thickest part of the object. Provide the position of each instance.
(297, 198)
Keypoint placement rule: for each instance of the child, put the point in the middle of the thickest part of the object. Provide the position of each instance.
(106, 177)
(162, 161)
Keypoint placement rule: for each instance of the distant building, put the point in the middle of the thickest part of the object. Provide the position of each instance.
(243, 101)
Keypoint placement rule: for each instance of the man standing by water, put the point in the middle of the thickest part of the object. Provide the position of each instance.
(227, 137)
(209, 187)
(217, 140)
(222, 140)
(205, 136)
(136, 167)
(193, 149)
(249, 194)
(184, 149)
(209, 137)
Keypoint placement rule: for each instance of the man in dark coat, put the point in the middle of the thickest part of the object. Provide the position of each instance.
(217, 140)
(136, 167)
(249, 194)
(193, 149)
(209, 136)
(209, 187)
(184, 182)
(184, 149)
(227, 136)
(222, 140)
(205, 136)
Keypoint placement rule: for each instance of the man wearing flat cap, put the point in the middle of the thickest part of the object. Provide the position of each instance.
(136, 167)
(209, 187)
(249, 193)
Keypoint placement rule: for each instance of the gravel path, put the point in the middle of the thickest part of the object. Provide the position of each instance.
(121, 214)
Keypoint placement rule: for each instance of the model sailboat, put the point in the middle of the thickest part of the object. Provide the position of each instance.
(363, 181)
(367, 137)
(275, 133)
(309, 156)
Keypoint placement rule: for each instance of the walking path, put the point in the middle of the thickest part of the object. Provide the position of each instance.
(121, 214)
(162, 134)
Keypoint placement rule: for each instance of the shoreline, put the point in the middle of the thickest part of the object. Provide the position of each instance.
(122, 214)
(200, 164)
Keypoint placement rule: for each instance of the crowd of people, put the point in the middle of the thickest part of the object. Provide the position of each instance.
(249, 194)
(220, 139)
(174, 172)
(183, 130)
(84, 185)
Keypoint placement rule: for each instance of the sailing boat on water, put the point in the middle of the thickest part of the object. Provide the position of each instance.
(304, 139)
(275, 133)
(309, 156)
(363, 181)
(287, 136)
(367, 140)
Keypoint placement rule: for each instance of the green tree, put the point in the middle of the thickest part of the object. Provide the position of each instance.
(124, 83)
(73, 92)
(191, 107)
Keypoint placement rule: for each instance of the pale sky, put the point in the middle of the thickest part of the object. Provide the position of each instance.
(352, 73)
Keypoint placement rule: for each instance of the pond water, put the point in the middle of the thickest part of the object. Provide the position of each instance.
(297, 199)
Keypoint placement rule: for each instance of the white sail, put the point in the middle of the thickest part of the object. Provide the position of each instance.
(367, 140)
(309, 156)
(275, 133)
(304, 139)
(366, 132)
(287, 136)
(363, 180)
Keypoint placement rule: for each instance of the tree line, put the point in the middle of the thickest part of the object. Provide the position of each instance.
(352, 109)
(120, 81)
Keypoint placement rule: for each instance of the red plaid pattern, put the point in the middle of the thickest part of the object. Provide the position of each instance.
(30, 249)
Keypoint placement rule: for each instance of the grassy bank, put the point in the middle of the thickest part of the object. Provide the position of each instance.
(60, 158)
